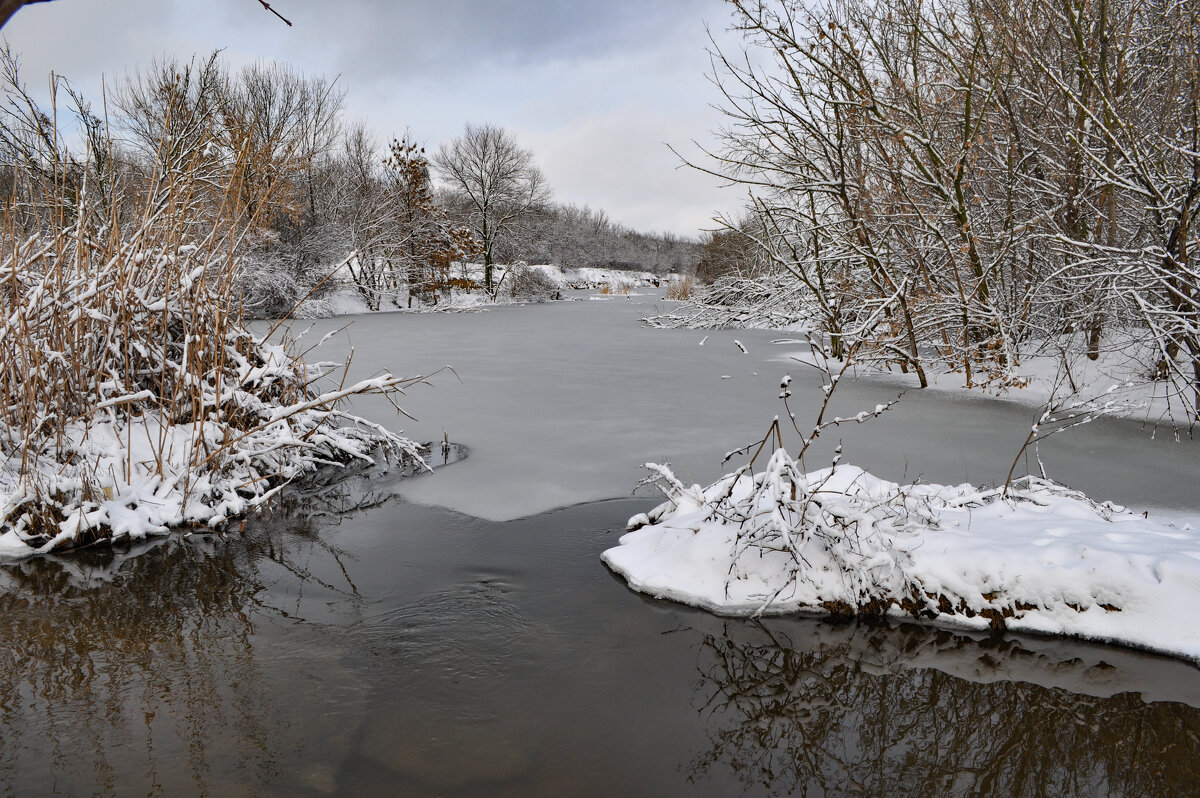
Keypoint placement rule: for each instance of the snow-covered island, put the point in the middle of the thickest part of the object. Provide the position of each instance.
(182, 417)
(1039, 558)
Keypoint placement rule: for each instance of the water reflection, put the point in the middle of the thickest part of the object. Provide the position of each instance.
(348, 647)
(105, 656)
(137, 669)
(881, 711)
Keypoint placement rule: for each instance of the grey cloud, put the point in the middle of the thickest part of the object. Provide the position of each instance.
(463, 35)
(586, 84)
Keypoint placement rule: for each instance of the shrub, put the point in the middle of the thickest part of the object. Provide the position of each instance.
(680, 288)
(530, 285)
(133, 398)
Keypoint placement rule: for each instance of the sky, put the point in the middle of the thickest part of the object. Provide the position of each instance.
(597, 89)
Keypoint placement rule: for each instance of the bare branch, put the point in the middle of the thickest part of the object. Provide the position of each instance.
(10, 7)
(267, 6)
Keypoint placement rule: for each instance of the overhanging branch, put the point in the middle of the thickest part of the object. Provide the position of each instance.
(267, 6)
(10, 7)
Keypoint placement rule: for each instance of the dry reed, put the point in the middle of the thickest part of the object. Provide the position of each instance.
(132, 396)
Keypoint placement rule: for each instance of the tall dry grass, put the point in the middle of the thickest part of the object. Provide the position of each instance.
(132, 395)
(680, 288)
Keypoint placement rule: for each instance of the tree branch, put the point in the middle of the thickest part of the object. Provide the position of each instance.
(267, 6)
(10, 7)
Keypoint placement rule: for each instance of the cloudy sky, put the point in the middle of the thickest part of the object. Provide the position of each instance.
(596, 88)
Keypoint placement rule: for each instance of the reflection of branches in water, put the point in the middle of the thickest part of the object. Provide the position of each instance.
(827, 718)
(335, 492)
(91, 653)
(145, 652)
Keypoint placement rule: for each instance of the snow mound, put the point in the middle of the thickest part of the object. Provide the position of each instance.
(1040, 559)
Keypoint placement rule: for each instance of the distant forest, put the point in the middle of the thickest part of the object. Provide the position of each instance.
(316, 194)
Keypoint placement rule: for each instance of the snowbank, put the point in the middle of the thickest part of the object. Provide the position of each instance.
(1117, 379)
(1042, 559)
(345, 299)
(127, 478)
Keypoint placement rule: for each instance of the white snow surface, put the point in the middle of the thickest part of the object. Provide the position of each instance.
(1057, 562)
(145, 478)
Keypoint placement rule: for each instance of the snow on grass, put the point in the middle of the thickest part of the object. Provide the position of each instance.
(1040, 559)
(133, 398)
(119, 477)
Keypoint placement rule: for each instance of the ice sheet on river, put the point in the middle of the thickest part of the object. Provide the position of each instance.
(562, 403)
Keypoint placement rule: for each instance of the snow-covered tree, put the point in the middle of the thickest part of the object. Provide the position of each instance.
(497, 183)
(976, 177)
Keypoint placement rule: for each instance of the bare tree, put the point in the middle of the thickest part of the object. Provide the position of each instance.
(498, 183)
(289, 121)
(995, 176)
(166, 109)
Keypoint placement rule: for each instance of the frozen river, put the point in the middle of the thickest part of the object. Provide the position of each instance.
(562, 403)
(465, 640)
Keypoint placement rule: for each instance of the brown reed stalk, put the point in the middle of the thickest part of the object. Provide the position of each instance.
(128, 316)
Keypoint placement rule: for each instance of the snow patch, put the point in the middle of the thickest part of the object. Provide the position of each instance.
(1040, 559)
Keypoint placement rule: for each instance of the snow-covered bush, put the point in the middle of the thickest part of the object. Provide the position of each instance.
(609, 281)
(524, 284)
(834, 529)
(1036, 557)
(132, 396)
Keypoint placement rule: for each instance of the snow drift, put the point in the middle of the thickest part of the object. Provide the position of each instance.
(1039, 558)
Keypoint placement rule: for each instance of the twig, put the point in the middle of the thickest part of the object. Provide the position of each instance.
(267, 6)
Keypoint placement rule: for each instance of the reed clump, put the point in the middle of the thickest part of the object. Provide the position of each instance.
(133, 397)
(680, 288)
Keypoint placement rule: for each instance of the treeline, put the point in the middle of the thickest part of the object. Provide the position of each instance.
(315, 195)
(582, 236)
(955, 182)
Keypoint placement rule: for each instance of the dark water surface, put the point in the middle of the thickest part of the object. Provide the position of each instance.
(407, 650)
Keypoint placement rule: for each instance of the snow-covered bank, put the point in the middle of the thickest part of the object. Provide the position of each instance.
(117, 477)
(515, 284)
(135, 399)
(1116, 379)
(1041, 369)
(1042, 559)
